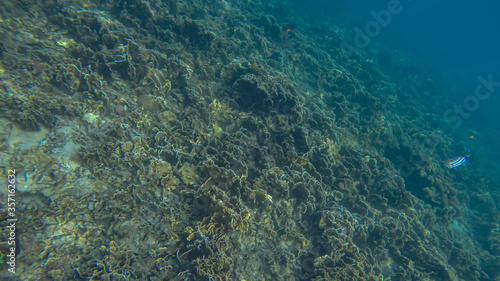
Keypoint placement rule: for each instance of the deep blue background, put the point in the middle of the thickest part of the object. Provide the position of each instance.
(461, 39)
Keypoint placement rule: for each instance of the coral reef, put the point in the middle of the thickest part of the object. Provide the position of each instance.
(204, 141)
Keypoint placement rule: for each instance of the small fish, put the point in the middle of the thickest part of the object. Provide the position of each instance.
(255, 66)
(455, 162)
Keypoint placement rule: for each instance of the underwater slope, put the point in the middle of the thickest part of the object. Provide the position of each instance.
(218, 141)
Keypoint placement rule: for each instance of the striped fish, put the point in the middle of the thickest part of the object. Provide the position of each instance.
(455, 162)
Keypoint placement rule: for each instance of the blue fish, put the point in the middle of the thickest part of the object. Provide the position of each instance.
(455, 162)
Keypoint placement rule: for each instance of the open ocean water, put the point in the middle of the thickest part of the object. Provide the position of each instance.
(249, 140)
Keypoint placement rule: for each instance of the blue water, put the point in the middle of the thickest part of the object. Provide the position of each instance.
(459, 39)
